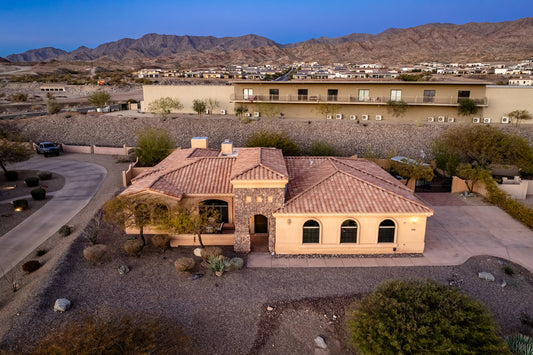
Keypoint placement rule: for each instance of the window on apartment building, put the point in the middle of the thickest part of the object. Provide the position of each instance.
(349, 231)
(302, 94)
(311, 232)
(429, 95)
(387, 229)
(274, 94)
(248, 93)
(396, 95)
(463, 94)
(333, 94)
(364, 95)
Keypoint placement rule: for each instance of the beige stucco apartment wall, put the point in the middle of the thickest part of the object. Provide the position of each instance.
(410, 233)
(505, 99)
(188, 93)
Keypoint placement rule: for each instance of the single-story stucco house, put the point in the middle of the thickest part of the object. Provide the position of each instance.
(288, 205)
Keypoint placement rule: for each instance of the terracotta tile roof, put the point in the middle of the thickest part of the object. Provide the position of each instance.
(344, 185)
(259, 164)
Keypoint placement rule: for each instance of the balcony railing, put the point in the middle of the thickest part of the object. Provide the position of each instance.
(374, 100)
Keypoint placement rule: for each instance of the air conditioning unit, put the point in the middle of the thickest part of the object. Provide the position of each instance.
(353, 117)
(451, 119)
(486, 120)
(379, 117)
(338, 116)
(256, 114)
(476, 120)
(248, 114)
(364, 117)
(207, 112)
(222, 112)
(329, 117)
(431, 119)
(505, 119)
(442, 119)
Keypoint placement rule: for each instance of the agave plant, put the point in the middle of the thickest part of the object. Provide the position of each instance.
(219, 264)
(520, 344)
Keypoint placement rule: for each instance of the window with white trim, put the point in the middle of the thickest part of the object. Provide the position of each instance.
(395, 95)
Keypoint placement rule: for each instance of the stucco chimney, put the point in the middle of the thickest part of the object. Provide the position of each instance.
(199, 142)
(226, 147)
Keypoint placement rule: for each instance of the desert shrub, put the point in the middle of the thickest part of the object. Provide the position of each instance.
(219, 264)
(65, 230)
(20, 205)
(31, 266)
(38, 193)
(92, 231)
(508, 270)
(442, 320)
(321, 148)
(133, 246)
(184, 264)
(137, 334)
(161, 241)
(236, 263)
(41, 252)
(31, 181)
(44, 175)
(209, 252)
(95, 253)
(520, 344)
(273, 139)
(19, 97)
(11, 175)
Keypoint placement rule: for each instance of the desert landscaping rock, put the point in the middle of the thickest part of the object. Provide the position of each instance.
(486, 276)
(123, 269)
(320, 342)
(62, 305)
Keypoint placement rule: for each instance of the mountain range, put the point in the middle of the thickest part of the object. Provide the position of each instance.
(500, 41)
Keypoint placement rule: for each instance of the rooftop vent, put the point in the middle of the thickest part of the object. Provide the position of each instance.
(226, 147)
(199, 142)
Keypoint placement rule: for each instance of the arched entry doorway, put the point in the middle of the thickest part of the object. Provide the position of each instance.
(259, 235)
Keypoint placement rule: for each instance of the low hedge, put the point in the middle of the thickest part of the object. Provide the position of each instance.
(32, 181)
(38, 193)
(514, 208)
(20, 205)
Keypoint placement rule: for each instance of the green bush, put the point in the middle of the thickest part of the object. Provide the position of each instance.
(38, 193)
(184, 264)
(65, 230)
(414, 317)
(20, 205)
(32, 181)
(133, 246)
(321, 148)
(11, 175)
(31, 266)
(153, 146)
(44, 175)
(514, 208)
(236, 263)
(137, 334)
(520, 344)
(273, 139)
(41, 252)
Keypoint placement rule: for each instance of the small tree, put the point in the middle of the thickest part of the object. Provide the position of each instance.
(519, 115)
(212, 104)
(164, 105)
(413, 317)
(99, 98)
(467, 107)
(199, 106)
(153, 145)
(398, 108)
(445, 159)
(273, 139)
(193, 220)
(52, 106)
(415, 170)
(472, 175)
(12, 152)
(241, 110)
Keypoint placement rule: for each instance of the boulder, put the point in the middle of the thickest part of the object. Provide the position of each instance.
(62, 305)
(486, 276)
(320, 342)
(123, 269)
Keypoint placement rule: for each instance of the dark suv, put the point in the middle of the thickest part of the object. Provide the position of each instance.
(47, 149)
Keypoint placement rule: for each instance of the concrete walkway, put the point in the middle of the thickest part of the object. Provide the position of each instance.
(82, 181)
(455, 233)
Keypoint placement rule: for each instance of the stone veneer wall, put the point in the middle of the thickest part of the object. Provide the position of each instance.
(245, 210)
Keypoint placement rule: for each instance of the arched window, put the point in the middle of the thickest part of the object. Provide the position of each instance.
(387, 230)
(349, 231)
(311, 232)
(220, 206)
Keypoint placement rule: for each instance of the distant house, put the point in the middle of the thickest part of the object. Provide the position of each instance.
(289, 205)
(521, 82)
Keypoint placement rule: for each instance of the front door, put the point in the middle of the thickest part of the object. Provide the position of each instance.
(260, 224)
(259, 237)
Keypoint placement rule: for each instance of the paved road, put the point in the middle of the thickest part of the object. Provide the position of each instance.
(82, 181)
(456, 232)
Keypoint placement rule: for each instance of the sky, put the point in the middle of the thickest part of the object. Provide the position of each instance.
(69, 24)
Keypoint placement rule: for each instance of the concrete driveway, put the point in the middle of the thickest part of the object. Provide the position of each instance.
(456, 232)
(82, 181)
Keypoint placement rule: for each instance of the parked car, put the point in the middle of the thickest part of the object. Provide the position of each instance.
(47, 149)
